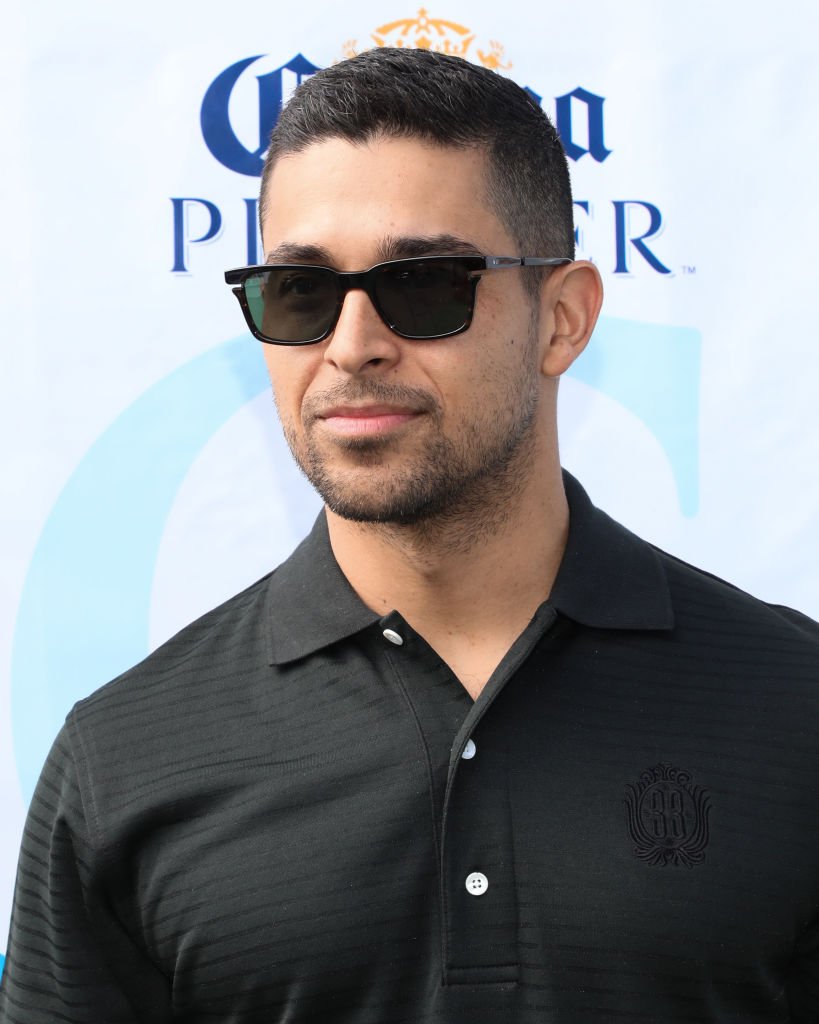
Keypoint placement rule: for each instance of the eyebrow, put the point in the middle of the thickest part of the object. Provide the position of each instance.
(290, 252)
(397, 247)
(392, 247)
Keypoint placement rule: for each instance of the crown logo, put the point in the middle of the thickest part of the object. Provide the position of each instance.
(426, 33)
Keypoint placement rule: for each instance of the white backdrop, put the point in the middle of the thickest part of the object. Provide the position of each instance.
(144, 478)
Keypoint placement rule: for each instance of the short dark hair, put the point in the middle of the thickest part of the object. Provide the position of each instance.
(447, 101)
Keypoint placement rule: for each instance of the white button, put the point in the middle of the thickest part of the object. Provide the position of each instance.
(476, 883)
(469, 750)
(393, 637)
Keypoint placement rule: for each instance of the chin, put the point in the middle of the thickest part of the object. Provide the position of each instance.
(384, 503)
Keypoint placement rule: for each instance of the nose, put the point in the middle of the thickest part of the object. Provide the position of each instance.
(361, 342)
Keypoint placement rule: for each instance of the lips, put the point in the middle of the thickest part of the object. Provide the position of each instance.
(366, 419)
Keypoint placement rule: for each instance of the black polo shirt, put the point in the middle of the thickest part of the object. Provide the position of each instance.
(294, 812)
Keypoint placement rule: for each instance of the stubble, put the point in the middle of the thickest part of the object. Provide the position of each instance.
(460, 486)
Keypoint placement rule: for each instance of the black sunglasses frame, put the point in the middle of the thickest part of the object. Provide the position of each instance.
(365, 280)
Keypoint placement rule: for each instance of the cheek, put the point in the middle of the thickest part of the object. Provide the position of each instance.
(290, 377)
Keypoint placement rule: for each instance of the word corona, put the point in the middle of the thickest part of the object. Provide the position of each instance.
(578, 117)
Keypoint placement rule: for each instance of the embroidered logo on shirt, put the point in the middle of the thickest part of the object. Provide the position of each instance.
(668, 817)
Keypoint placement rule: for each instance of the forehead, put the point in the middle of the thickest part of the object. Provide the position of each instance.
(348, 198)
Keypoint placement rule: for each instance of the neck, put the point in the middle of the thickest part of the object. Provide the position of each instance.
(467, 582)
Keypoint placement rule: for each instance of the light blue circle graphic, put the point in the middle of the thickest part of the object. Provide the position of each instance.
(653, 371)
(84, 611)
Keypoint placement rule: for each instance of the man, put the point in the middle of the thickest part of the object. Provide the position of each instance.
(474, 752)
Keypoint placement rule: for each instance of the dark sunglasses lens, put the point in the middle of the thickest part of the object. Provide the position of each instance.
(292, 304)
(425, 298)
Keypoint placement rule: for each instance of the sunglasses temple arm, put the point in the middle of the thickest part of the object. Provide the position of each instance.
(500, 262)
(542, 261)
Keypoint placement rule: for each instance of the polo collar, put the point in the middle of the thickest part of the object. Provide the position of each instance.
(608, 579)
(310, 603)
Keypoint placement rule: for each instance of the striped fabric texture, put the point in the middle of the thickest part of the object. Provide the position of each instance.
(293, 812)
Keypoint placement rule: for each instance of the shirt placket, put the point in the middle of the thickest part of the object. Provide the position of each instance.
(478, 888)
(472, 809)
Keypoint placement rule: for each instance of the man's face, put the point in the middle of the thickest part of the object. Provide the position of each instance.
(385, 428)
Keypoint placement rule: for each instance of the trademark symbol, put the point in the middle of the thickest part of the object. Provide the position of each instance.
(686, 269)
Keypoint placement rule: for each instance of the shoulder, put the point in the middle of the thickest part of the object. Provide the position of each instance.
(152, 737)
(220, 650)
(710, 606)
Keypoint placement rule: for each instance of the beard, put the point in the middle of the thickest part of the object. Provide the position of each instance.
(472, 476)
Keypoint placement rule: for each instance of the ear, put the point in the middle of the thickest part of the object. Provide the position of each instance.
(570, 304)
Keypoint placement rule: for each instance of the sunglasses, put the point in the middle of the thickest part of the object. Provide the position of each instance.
(423, 298)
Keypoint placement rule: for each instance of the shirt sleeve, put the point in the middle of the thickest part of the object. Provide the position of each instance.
(69, 960)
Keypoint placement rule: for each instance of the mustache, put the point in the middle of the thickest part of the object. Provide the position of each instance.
(353, 391)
